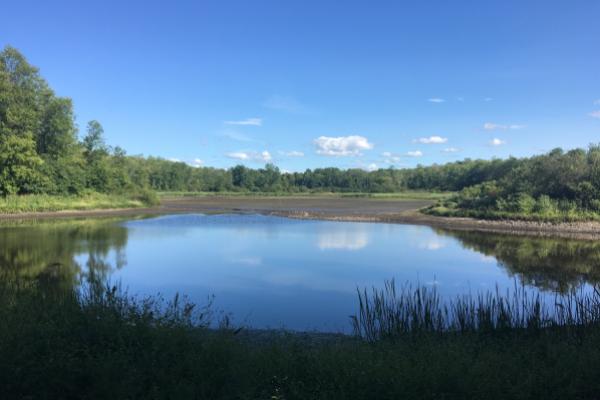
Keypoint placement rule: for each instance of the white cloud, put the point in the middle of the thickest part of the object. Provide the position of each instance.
(174, 159)
(497, 142)
(247, 121)
(239, 155)
(292, 153)
(489, 126)
(342, 146)
(451, 150)
(436, 100)
(416, 153)
(284, 103)
(263, 156)
(431, 140)
(197, 162)
(371, 167)
(595, 114)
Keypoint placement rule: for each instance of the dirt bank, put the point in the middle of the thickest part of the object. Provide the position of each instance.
(335, 209)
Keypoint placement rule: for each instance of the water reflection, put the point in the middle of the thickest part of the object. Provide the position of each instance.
(280, 272)
(554, 264)
(344, 237)
(62, 251)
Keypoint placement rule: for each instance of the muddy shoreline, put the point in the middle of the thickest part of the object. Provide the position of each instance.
(333, 209)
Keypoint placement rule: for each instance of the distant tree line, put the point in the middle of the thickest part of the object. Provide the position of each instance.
(40, 152)
(559, 184)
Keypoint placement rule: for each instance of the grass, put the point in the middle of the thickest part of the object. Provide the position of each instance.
(388, 314)
(573, 216)
(406, 195)
(100, 343)
(91, 201)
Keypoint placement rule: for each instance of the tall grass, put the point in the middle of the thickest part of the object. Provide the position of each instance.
(89, 201)
(97, 342)
(392, 314)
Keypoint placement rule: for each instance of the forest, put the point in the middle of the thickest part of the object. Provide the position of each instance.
(42, 152)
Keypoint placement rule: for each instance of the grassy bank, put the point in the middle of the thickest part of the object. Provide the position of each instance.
(99, 343)
(441, 210)
(408, 195)
(487, 202)
(91, 201)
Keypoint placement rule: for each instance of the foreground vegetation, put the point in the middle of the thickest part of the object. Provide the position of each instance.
(99, 343)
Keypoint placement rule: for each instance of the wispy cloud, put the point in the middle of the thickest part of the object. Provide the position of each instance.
(597, 102)
(390, 158)
(431, 140)
(247, 121)
(237, 136)
(352, 145)
(489, 126)
(436, 100)
(250, 261)
(416, 153)
(487, 99)
(292, 153)
(595, 114)
(284, 103)
(451, 150)
(497, 142)
(253, 156)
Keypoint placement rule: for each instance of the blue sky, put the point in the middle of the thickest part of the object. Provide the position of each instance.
(306, 84)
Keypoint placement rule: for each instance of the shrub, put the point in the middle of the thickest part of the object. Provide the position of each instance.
(545, 205)
(525, 203)
(146, 196)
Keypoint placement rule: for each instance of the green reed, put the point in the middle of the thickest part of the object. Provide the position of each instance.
(389, 313)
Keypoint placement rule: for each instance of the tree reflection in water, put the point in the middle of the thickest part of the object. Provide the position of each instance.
(56, 251)
(555, 264)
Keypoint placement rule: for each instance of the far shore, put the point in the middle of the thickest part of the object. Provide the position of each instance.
(387, 210)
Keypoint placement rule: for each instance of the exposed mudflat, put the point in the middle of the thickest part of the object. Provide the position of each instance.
(334, 208)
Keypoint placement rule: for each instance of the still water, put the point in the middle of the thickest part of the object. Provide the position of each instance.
(271, 272)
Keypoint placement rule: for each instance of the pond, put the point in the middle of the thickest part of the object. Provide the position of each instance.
(272, 272)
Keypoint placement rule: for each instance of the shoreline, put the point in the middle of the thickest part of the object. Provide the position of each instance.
(332, 209)
(574, 230)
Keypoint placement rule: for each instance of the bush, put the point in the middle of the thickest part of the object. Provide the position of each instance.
(567, 206)
(146, 196)
(525, 203)
(545, 205)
